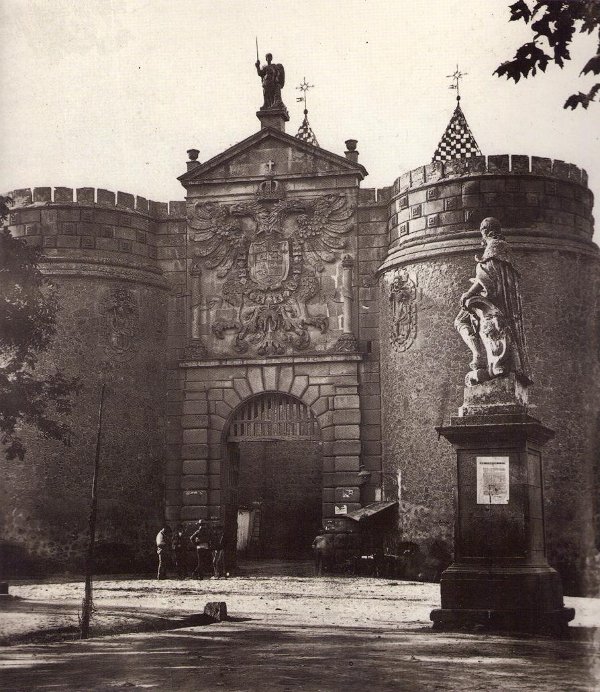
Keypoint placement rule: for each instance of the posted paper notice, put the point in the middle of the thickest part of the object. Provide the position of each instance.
(492, 480)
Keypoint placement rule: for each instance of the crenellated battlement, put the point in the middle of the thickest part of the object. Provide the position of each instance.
(90, 196)
(96, 225)
(441, 201)
(501, 164)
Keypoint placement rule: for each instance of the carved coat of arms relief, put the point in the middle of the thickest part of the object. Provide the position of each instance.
(403, 303)
(269, 251)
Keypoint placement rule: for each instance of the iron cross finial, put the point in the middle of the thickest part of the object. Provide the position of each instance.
(304, 87)
(456, 76)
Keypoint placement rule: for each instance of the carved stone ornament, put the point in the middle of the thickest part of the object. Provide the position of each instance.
(403, 302)
(491, 317)
(270, 252)
(122, 316)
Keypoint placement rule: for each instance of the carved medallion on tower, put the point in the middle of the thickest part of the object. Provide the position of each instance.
(270, 251)
(122, 316)
(403, 301)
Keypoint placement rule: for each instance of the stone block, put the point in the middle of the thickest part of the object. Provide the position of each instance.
(42, 194)
(346, 402)
(329, 495)
(195, 497)
(241, 386)
(63, 194)
(216, 611)
(299, 386)
(371, 432)
(194, 451)
(124, 199)
(325, 419)
(255, 380)
(191, 513)
(270, 376)
(347, 417)
(348, 463)
(194, 421)
(197, 407)
(519, 163)
(141, 204)
(105, 197)
(320, 406)
(347, 432)
(222, 408)
(22, 197)
(498, 163)
(560, 169)
(286, 377)
(193, 482)
(346, 447)
(231, 398)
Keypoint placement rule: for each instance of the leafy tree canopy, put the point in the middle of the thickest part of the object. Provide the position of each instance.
(28, 309)
(555, 23)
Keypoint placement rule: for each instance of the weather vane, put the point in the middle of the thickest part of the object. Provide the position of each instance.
(304, 87)
(456, 77)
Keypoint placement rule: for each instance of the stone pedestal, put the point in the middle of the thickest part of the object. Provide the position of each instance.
(500, 578)
(275, 118)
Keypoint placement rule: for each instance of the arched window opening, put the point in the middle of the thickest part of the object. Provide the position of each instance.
(273, 416)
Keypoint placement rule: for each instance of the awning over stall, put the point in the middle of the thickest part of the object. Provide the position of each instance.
(371, 510)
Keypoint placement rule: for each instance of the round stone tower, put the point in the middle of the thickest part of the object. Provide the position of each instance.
(545, 209)
(100, 252)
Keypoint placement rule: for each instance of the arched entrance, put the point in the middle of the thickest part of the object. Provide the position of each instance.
(272, 479)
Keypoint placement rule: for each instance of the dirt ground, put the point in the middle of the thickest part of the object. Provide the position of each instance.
(285, 633)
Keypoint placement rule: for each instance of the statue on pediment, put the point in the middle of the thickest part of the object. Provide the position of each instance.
(273, 80)
(491, 317)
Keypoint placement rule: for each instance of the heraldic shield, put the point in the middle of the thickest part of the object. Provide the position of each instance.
(269, 262)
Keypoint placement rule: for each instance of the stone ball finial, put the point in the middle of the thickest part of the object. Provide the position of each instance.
(193, 154)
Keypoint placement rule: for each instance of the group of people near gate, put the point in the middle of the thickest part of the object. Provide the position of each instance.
(208, 539)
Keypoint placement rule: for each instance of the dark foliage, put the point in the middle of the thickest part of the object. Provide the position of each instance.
(27, 324)
(554, 24)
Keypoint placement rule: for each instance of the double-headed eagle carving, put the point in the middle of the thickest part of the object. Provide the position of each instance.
(270, 255)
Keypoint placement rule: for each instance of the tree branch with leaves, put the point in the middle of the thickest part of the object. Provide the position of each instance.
(555, 24)
(28, 308)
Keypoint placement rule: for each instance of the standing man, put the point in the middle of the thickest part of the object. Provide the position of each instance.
(163, 538)
(201, 539)
(218, 553)
(178, 552)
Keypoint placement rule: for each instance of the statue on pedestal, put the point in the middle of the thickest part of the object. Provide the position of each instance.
(273, 80)
(491, 318)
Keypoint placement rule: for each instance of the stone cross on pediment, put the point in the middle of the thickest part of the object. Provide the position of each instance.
(270, 165)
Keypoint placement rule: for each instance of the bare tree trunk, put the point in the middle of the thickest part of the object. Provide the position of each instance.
(87, 606)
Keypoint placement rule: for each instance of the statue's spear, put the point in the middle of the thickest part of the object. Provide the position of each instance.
(257, 58)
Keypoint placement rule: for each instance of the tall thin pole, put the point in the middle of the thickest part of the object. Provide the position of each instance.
(89, 562)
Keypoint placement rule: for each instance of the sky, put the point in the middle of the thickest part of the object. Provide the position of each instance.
(111, 94)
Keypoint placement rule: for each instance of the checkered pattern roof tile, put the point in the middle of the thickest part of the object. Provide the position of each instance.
(457, 141)
(305, 132)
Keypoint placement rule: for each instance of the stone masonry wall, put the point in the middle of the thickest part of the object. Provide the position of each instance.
(100, 253)
(545, 211)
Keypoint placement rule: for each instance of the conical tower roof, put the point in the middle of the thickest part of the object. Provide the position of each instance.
(305, 132)
(458, 141)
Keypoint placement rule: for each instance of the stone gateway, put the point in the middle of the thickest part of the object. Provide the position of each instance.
(279, 348)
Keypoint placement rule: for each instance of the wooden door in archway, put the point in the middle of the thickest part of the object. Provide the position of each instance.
(274, 476)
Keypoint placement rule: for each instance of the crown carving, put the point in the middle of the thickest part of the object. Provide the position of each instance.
(270, 189)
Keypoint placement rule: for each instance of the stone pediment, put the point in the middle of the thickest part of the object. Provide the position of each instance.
(269, 152)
